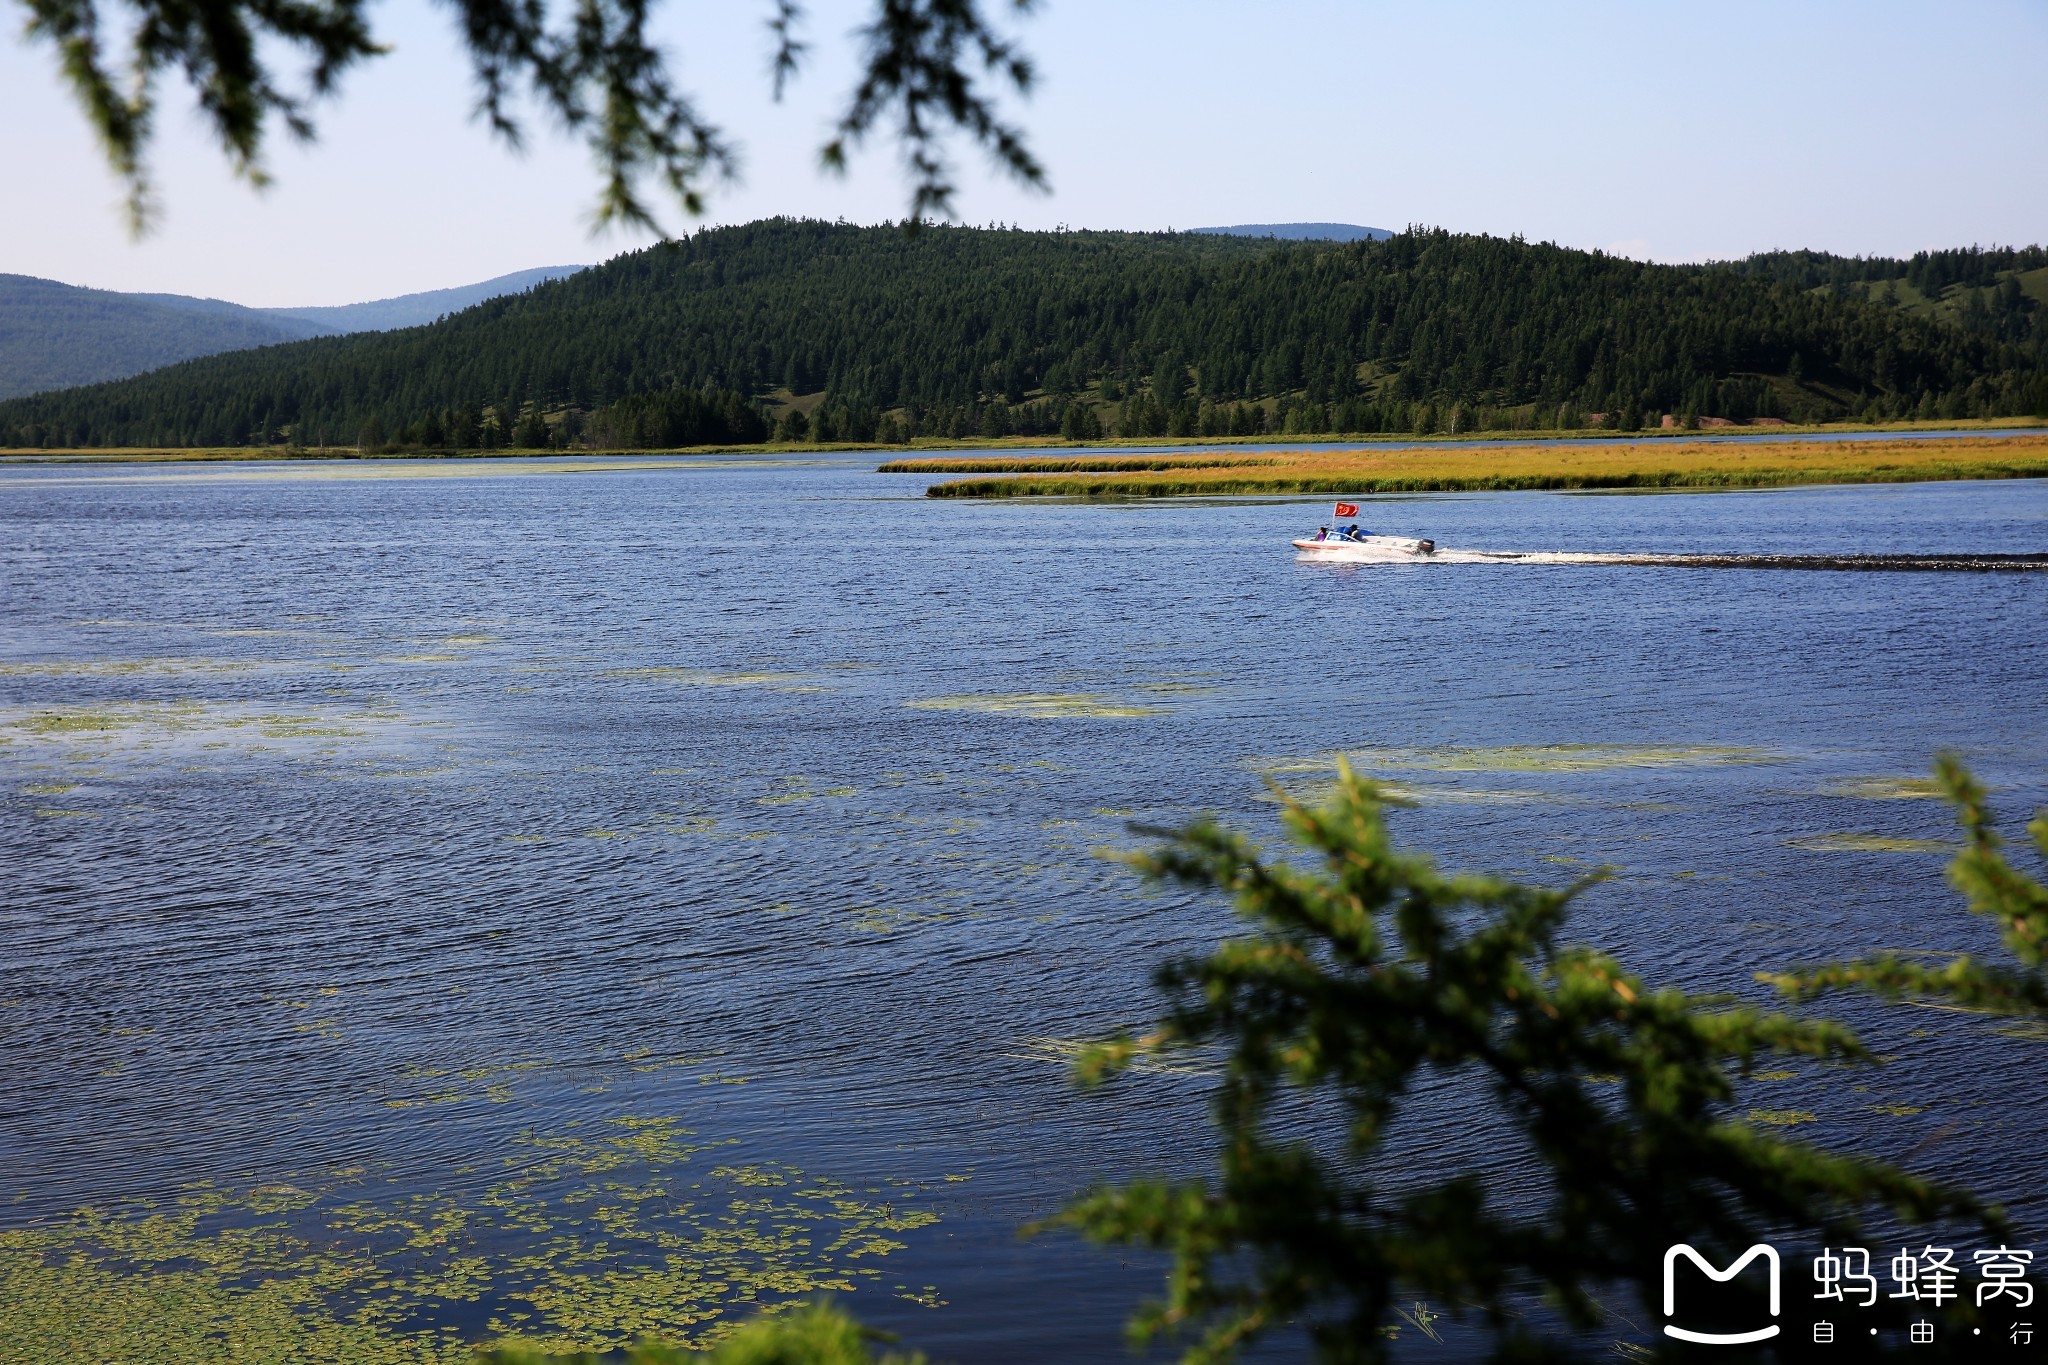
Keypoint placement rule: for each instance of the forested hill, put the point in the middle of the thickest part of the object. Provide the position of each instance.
(1996, 292)
(845, 331)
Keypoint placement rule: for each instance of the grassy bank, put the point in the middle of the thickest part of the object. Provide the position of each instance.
(1542, 435)
(348, 454)
(1687, 464)
(1223, 445)
(1077, 464)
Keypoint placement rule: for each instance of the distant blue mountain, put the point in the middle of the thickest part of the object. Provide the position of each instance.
(414, 310)
(56, 336)
(1303, 232)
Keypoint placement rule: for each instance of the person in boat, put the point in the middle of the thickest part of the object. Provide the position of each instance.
(1352, 532)
(1322, 533)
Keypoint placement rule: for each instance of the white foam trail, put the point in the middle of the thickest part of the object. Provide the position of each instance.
(1547, 557)
(1372, 554)
(1936, 563)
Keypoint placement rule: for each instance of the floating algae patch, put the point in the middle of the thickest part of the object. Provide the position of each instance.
(1561, 758)
(218, 631)
(1315, 793)
(1178, 689)
(1845, 842)
(128, 668)
(1066, 1051)
(1039, 705)
(791, 790)
(1782, 1118)
(133, 726)
(2032, 1030)
(1274, 767)
(873, 918)
(1884, 788)
(1312, 779)
(592, 1239)
(711, 677)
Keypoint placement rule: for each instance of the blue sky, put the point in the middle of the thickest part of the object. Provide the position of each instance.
(1663, 130)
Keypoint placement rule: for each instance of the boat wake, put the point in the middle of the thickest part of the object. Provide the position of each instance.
(1880, 563)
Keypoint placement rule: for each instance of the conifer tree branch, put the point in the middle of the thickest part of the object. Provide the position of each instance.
(918, 64)
(1368, 973)
(1992, 887)
(596, 67)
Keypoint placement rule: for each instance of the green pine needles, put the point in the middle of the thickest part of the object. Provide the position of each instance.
(1993, 888)
(1370, 974)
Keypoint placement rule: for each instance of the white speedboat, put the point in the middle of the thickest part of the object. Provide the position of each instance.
(1339, 546)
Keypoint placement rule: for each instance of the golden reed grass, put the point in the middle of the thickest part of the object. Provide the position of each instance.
(1660, 464)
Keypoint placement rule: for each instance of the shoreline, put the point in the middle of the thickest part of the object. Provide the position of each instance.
(1839, 431)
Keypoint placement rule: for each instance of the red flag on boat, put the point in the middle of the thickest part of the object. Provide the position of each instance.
(1347, 509)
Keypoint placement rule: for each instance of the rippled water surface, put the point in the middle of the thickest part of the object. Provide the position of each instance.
(556, 901)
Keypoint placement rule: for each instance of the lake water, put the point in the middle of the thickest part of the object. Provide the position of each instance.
(562, 898)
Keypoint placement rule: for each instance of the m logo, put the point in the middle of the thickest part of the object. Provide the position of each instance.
(1671, 1255)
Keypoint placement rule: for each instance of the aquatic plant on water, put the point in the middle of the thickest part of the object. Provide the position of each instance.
(1357, 976)
(592, 1237)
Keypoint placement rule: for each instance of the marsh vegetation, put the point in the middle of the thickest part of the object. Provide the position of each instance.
(1677, 464)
